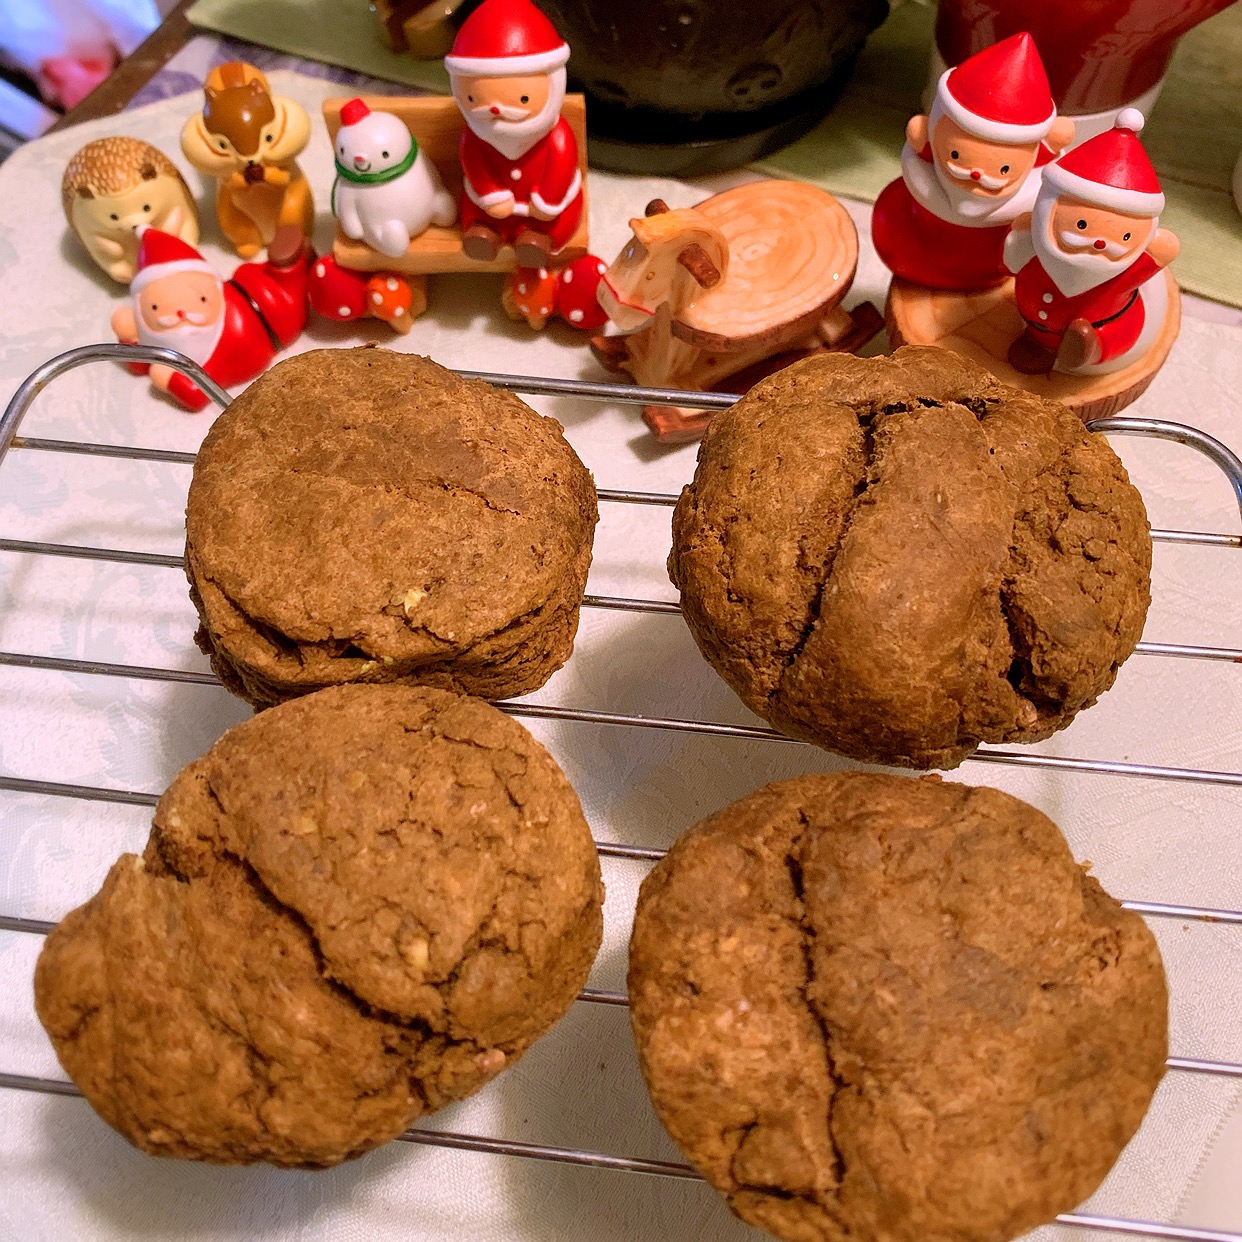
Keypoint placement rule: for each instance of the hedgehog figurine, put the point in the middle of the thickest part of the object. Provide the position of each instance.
(113, 185)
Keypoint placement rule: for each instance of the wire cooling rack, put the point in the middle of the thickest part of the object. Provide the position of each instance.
(1211, 448)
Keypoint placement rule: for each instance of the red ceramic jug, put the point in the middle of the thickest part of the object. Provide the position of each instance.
(1101, 55)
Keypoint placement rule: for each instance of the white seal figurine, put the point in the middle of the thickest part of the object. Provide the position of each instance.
(386, 190)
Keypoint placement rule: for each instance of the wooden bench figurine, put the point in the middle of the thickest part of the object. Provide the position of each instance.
(437, 124)
(715, 297)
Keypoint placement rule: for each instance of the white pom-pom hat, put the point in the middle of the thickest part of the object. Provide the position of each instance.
(1111, 170)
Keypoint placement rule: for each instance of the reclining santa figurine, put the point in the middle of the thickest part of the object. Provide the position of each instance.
(1089, 259)
(521, 185)
(969, 169)
(232, 328)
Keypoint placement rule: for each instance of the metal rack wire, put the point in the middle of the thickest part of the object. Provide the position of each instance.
(10, 422)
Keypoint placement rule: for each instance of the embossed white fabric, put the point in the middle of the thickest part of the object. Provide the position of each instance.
(66, 1175)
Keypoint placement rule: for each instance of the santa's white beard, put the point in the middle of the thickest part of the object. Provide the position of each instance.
(948, 198)
(1072, 273)
(197, 342)
(514, 138)
(965, 202)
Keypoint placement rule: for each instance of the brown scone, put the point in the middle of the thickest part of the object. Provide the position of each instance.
(364, 515)
(877, 1009)
(900, 558)
(354, 909)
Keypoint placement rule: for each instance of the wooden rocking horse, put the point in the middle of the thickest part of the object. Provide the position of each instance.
(715, 297)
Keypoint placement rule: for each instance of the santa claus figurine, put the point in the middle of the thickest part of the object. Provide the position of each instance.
(521, 185)
(233, 328)
(969, 169)
(1089, 259)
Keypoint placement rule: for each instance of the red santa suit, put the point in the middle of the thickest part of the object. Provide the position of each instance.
(919, 238)
(264, 310)
(1115, 308)
(1125, 307)
(547, 175)
(536, 160)
(928, 236)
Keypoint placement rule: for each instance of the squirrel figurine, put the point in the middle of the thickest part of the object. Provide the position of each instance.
(248, 139)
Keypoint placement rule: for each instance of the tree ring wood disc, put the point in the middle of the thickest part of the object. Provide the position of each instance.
(981, 326)
(793, 251)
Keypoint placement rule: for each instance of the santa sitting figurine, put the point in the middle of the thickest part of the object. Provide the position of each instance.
(1089, 259)
(521, 185)
(233, 328)
(969, 169)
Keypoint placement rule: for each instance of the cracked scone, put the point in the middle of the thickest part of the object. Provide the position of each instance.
(364, 515)
(354, 909)
(878, 1009)
(900, 558)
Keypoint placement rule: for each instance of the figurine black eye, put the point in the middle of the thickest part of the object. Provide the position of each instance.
(114, 216)
(383, 155)
(224, 146)
(1082, 224)
(1004, 169)
(203, 298)
(269, 138)
(526, 99)
(154, 306)
(1126, 237)
(470, 99)
(952, 155)
(146, 206)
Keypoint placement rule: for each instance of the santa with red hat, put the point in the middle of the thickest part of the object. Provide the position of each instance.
(233, 328)
(1089, 258)
(969, 169)
(521, 182)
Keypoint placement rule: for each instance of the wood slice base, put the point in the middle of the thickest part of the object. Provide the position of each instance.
(981, 326)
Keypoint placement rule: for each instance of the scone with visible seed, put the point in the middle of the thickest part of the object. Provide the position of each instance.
(364, 515)
(900, 558)
(354, 909)
(870, 1007)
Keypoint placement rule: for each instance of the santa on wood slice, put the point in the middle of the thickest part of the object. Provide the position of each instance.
(521, 184)
(1089, 259)
(232, 328)
(969, 169)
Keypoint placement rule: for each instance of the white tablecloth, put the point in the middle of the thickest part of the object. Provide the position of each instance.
(65, 1175)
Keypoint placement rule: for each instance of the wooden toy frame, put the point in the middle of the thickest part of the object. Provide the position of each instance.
(437, 124)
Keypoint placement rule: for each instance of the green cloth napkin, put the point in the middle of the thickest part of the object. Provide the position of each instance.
(1194, 135)
(337, 32)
